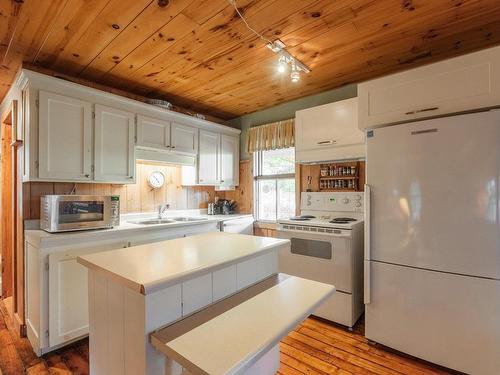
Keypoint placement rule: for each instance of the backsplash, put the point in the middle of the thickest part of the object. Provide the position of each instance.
(138, 197)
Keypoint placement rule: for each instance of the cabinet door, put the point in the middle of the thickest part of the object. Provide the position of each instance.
(229, 168)
(114, 145)
(196, 294)
(68, 295)
(184, 139)
(334, 124)
(208, 162)
(153, 133)
(460, 84)
(65, 138)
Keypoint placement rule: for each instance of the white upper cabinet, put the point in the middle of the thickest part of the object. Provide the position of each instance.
(329, 132)
(114, 145)
(184, 139)
(208, 159)
(460, 84)
(229, 165)
(65, 138)
(153, 133)
(74, 133)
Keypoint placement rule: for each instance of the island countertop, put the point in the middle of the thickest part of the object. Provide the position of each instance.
(150, 267)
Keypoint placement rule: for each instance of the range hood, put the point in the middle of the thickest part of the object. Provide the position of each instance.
(164, 157)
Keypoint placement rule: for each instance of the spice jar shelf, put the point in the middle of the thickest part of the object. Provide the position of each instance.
(339, 176)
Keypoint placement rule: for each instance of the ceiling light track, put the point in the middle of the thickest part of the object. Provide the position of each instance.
(285, 60)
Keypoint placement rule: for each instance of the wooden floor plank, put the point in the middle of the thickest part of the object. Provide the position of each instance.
(312, 361)
(39, 369)
(298, 365)
(286, 370)
(326, 354)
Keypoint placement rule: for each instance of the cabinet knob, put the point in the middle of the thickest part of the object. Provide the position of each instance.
(172, 146)
(87, 175)
(131, 177)
(221, 180)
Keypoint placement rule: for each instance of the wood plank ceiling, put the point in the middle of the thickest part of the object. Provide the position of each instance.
(199, 55)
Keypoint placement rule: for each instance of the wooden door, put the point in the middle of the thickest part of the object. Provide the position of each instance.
(65, 138)
(114, 146)
(6, 211)
(229, 172)
(208, 165)
(153, 133)
(184, 139)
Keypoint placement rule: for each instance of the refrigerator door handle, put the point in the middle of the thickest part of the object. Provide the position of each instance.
(367, 263)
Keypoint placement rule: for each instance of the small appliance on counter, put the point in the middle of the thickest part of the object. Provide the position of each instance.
(63, 213)
(222, 207)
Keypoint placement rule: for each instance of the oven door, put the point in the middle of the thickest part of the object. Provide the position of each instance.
(78, 212)
(316, 256)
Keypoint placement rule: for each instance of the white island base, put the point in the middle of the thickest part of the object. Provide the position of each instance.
(136, 291)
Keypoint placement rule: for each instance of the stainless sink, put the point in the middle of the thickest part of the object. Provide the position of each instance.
(166, 221)
(152, 221)
(189, 218)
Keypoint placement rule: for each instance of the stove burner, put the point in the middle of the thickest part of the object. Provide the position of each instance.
(302, 218)
(342, 220)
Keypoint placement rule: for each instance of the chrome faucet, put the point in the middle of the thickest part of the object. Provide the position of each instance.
(161, 209)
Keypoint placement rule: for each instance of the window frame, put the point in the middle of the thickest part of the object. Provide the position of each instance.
(258, 176)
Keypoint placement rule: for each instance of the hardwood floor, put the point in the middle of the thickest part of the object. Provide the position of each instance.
(314, 347)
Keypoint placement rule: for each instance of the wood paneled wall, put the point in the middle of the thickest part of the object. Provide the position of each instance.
(243, 194)
(140, 197)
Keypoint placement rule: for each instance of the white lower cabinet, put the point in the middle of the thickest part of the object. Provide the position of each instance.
(57, 286)
(114, 145)
(224, 282)
(68, 297)
(196, 294)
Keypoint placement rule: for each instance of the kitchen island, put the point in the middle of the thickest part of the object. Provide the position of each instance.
(138, 290)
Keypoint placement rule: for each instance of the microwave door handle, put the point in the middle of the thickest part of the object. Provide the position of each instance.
(367, 265)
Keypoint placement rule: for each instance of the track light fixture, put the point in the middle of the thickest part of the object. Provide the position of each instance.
(285, 59)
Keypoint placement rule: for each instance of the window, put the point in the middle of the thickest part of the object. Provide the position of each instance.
(274, 175)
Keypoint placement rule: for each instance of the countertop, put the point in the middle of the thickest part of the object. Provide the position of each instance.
(38, 237)
(150, 267)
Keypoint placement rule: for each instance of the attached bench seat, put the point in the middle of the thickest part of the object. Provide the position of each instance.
(240, 334)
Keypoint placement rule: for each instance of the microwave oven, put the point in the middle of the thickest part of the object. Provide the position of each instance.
(63, 213)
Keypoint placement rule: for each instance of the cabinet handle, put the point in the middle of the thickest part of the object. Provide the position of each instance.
(87, 175)
(221, 180)
(131, 177)
(172, 146)
(422, 110)
(321, 143)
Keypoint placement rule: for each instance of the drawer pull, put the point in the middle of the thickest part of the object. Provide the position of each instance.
(422, 110)
(322, 143)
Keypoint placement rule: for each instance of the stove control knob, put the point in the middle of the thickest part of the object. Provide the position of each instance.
(345, 200)
(358, 204)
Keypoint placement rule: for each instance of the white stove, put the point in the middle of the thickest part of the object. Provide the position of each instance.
(327, 246)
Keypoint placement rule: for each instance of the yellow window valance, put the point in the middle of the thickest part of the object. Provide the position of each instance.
(271, 136)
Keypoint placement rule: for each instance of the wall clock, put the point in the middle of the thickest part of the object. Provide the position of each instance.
(156, 179)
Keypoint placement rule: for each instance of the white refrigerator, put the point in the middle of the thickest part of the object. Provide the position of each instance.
(432, 240)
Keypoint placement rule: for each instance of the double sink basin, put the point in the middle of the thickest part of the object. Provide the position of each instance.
(167, 220)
